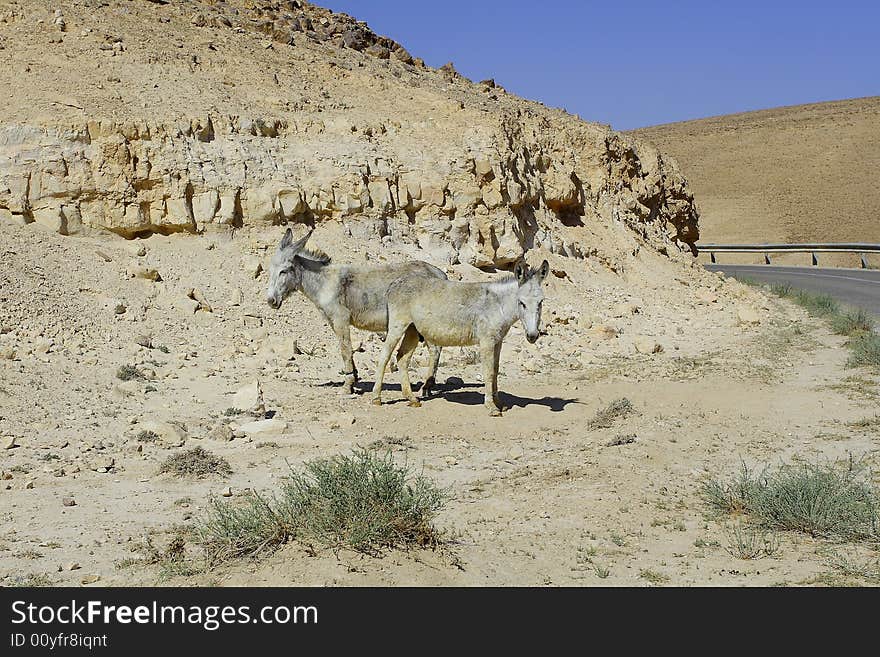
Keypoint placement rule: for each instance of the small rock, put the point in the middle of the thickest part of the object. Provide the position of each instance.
(197, 296)
(249, 398)
(261, 427)
(68, 501)
(140, 271)
(222, 431)
(188, 305)
(237, 298)
(90, 579)
(144, 341)
(7, 353)
(10, 442)
(43, 346)
(252, 321)
(169, 433)
(136, 248)
(254, 266)
(227, 492)
(747, 315)
(119, 308)
(645, 345)
(73, 565)
(707, 296)
(102, 464)
(604, 332)
(625, 310)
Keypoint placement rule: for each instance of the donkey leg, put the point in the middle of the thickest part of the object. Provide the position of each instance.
(490, 377)
(391, 339)
(430, 381)
(404, 355)
(495, 396)
(349, 371)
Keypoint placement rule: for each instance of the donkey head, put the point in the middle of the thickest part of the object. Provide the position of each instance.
(530, 296)
(285, 269)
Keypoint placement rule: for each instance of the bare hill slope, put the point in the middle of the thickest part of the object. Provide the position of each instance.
(804, 173)
(140, 117)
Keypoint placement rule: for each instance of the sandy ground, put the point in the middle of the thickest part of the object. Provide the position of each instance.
(788, 174)
(536, 497)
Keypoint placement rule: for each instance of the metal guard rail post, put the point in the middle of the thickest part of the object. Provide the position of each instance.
(861, 248)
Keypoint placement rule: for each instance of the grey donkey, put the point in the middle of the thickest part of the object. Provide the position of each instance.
(449, 313)
(347, 295)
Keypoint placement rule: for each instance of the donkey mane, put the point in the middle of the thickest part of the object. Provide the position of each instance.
(315, 254)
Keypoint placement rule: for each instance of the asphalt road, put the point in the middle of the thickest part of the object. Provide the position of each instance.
(854, 287)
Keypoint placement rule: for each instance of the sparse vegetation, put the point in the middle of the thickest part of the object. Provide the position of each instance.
(365, 502)
(653, 576)
(621, 440)
(232, 412)
(172, 560)
(853, 567)
(864, 342)
(750, 542)
(196, 462)
(129, 373)
(602, 572)
(146, 436)
(32, 580)
(606, 417)
(865, 349)
(866, 423)
(820, 500)
(30, 554)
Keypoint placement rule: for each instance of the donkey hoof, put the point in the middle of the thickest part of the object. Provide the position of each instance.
(377, 401)
(415, 403)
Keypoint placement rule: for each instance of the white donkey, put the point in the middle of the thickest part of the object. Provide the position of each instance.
(448, 313)
(347, 295)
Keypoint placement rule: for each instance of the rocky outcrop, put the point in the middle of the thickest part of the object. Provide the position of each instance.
(485, 198)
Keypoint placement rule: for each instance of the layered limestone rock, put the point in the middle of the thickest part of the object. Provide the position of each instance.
(484, 198)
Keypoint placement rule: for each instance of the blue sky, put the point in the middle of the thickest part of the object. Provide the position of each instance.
(635, 63)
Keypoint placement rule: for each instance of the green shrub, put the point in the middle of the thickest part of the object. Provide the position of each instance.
(364, 501)
(820, 500)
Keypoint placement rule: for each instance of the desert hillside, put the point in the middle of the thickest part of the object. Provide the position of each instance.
(138, 117)
(797, 174)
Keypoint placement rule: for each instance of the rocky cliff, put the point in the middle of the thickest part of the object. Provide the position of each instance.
(197, 116)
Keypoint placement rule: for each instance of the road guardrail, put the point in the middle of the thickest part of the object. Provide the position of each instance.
(860, 248)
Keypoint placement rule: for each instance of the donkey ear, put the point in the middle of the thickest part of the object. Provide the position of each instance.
(302, 242)
(287, 239)
(521, 271)
(544, 270)
(308, 263)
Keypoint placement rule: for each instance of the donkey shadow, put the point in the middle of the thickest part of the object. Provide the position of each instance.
(455, 390)
(451, 384)
(508, 401)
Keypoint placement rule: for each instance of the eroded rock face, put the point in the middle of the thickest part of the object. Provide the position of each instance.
(483, 199)
(366, 136)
